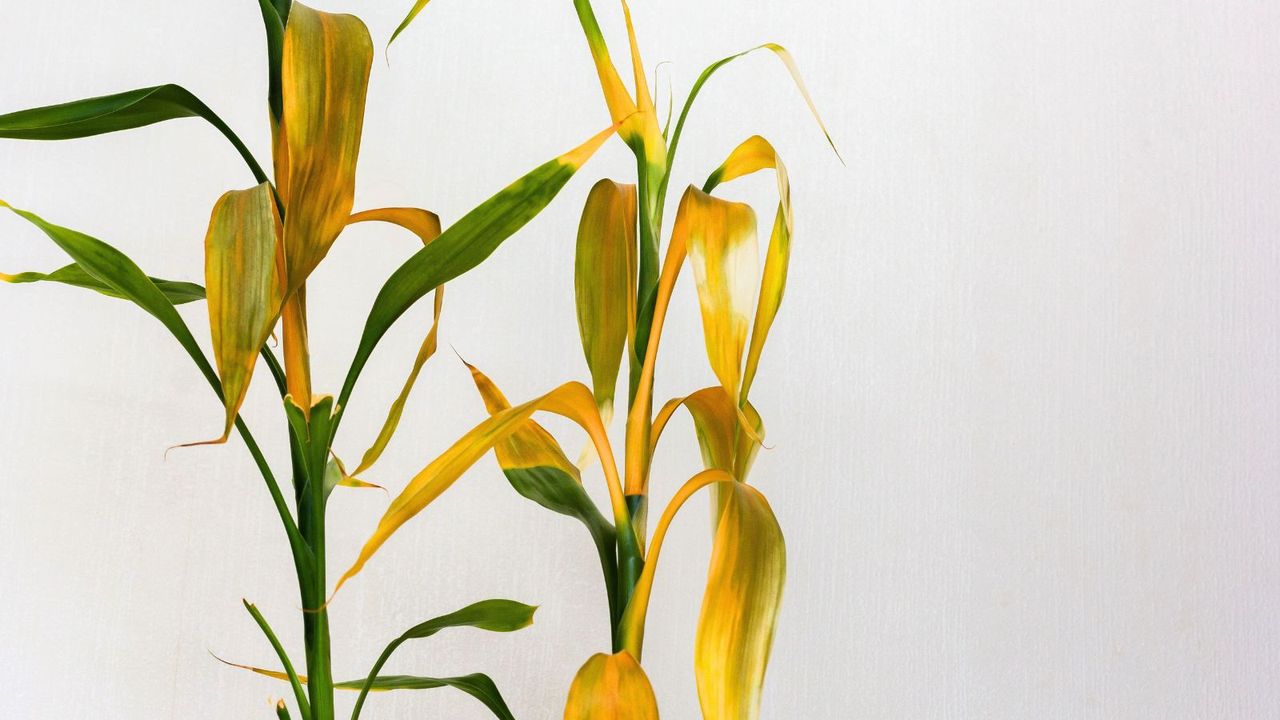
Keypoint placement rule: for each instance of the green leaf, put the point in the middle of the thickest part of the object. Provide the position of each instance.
(491, 615)
(273, 23)
(299, 694)
(125, 279)
(413, 13)
(477, 685)
(112, 113)
(177, 292)
(465, 245)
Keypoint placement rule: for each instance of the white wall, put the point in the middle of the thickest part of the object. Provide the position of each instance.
(1023, 392)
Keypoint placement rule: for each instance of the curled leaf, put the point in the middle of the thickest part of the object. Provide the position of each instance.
(721, 238)
(752, 155)
(243, 285)
(426, 225)
(611, 687)
(605, 283)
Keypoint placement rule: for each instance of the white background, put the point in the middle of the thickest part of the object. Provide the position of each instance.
(1023, 392)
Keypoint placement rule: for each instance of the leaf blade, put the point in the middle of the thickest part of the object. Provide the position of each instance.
(177, 292)
(605, 283)
(611, 687)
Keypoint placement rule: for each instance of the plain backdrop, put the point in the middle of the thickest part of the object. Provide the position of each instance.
(1023, 395)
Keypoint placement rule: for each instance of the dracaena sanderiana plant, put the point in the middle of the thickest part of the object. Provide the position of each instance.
(624, 280)
(262, 244)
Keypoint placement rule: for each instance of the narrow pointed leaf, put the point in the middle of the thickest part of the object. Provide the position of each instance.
(721, 238)
(538, 469)
(477, 685)
(464, 245)
(605, 283)
(426, 225)
(740, 607)
(244, 287)
(115, 270)
(324, 80)
(621, 105)
(177, 292)
(299, 694)
(273, 24)
(752, 155)
(408, 19)
(491, 615)
(611, 687)
(571, 400)
(121, 111)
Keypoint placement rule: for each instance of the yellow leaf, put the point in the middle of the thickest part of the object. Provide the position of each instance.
(721, 240)
(714, 419)
(426, 225)
(605, 283)
(753, 155)
(572, 400)
(324, 77)
(631, 627)
(243, 286)
(740, 607)
(528, 446)
(611, 687)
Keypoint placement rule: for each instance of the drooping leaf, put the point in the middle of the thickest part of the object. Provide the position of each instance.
(711, 69)
(740, 607)
(752, 155)
(464, 245)
(611, 687)
(121, 111)
(324, 79)
(178, 293)
(413, 13)
(244, 286)
(477, 685)
(112, 268)
(605, 283)
(538, 469)
(426, 225)
(572, 400)
(633, 617)
(721, 238)
(491, 615)
(714, 420)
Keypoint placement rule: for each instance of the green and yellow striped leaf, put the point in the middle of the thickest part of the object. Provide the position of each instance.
(605, 283)
(244, 287)
(324, 79)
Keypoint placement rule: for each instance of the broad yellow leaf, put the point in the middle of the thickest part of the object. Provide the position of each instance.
(714, 420)
(753, 155)
(740, 607)
(324, 78)
(611, 687)
(529, 446)
(605, 283)
(572, 400)
(243, 286)
(721, 240)
(426, 225)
